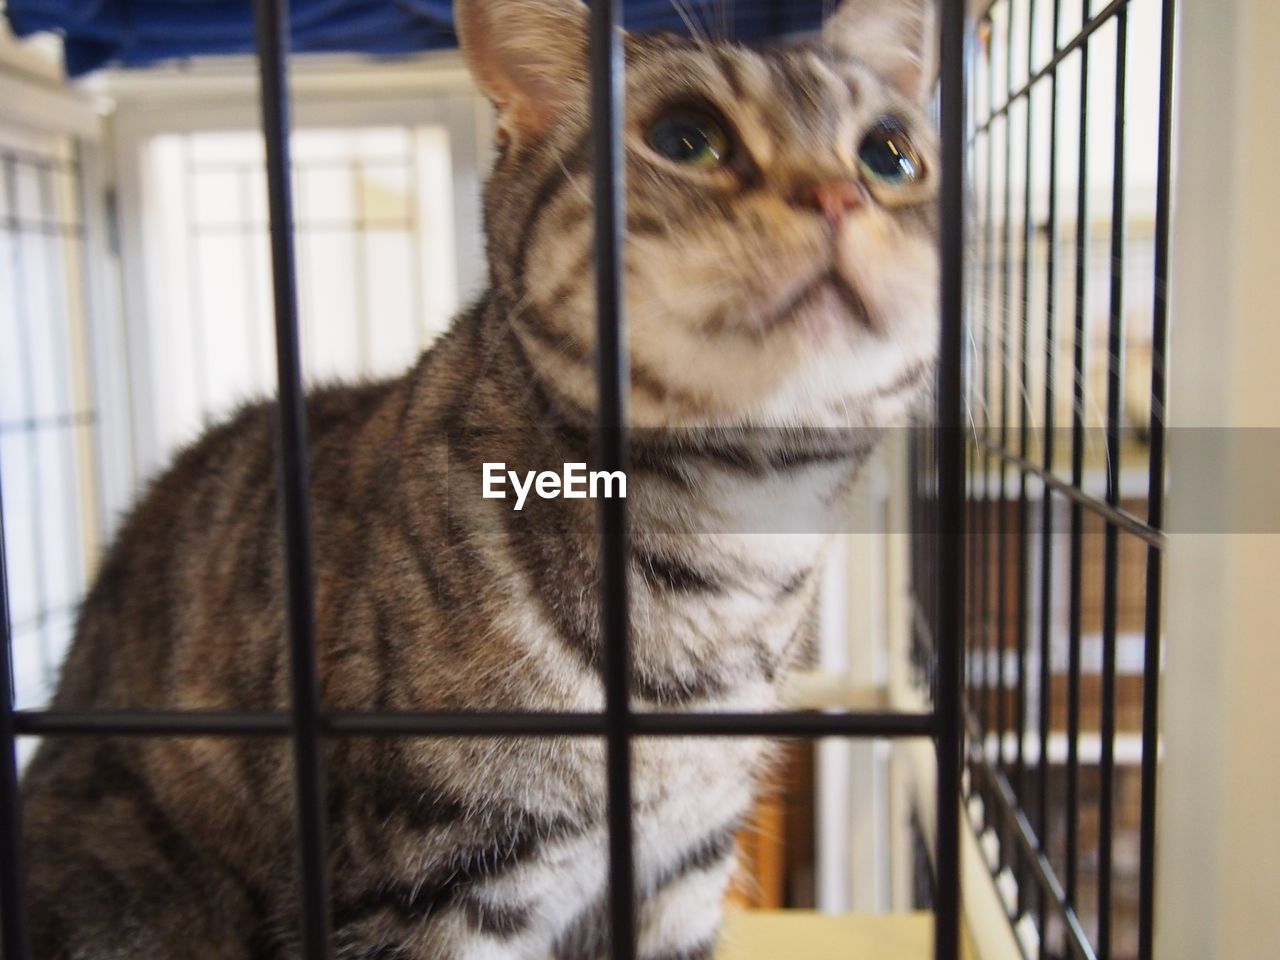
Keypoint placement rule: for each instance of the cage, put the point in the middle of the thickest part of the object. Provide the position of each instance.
(1023, 522)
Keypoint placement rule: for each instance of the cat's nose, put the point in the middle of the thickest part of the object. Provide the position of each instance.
(834, 199)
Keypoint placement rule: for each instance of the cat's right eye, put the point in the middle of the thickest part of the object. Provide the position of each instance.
(887, 156)
(690, 137)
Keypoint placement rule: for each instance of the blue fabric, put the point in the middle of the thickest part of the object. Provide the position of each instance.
(142, 32)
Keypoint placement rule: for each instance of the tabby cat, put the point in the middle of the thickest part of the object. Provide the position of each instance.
(780, 276)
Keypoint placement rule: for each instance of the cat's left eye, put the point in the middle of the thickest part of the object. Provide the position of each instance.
(887, 155)
(690, 137)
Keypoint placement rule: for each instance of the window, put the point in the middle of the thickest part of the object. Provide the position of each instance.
(48, 420)
(374, 236)
(386, 227)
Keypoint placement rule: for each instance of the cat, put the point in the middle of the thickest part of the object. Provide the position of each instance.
(781, 287)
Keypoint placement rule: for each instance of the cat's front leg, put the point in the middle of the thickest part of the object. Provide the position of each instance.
(511, 911)
(678, 918)
(681, 918)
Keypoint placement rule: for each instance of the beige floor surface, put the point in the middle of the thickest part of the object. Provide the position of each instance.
(801, 935)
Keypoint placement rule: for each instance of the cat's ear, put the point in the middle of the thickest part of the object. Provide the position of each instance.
(893, 37)
(528, 56)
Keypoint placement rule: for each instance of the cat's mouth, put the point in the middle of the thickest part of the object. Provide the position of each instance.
(828, 292)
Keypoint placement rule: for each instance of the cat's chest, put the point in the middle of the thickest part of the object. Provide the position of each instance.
(687, 791)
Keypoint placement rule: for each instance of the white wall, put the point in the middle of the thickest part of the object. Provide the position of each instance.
(1219, 837)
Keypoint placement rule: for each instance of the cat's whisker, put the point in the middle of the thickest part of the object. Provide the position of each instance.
(574, 183)
(691, 23)
(1028, 405)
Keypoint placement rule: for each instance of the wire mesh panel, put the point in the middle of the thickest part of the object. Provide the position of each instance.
(1069, 184)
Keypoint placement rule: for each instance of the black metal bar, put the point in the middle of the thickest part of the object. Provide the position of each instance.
(1077, 482)
(12, 884)
(1006, 316)
(158, 723)
(891, 724)
(1001, 520)
(347, 724)
(1111, 543)
(975, 292)
(1155, 497)
(1091, 26)
(988, 281)
(1114, 515)
(272, 30)
(971, 542)
(613, 377)
(951, 441)
(973, 615)
(1024, 443)
(1046, 523)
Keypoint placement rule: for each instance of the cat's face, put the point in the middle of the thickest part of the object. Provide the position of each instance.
(781, 258)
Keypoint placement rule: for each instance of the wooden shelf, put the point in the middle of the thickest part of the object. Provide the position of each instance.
(804, 935)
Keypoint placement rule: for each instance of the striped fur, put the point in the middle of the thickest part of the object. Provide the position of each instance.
(753, 402)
